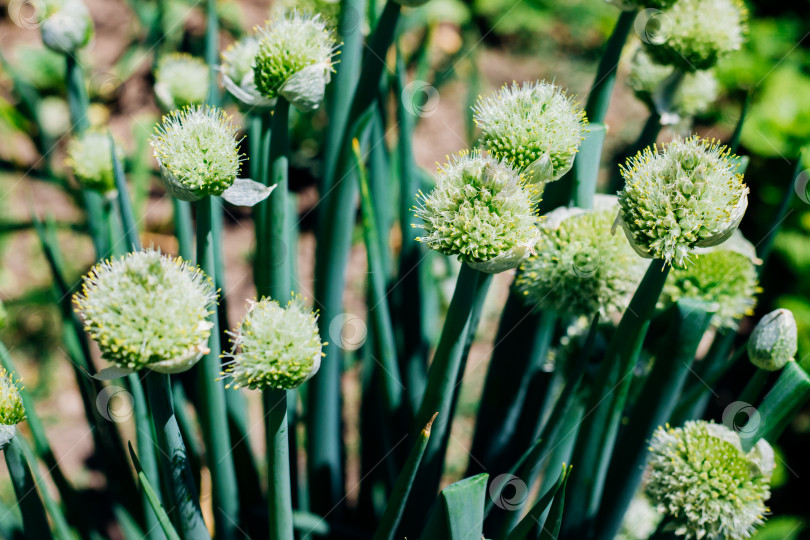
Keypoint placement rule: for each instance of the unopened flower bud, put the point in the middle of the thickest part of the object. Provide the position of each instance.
(89, 156)
(67, 25)
(774, 341)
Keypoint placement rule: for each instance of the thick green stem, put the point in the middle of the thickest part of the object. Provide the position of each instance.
(212, 395)
(324, 457)
(174, 462)
(35, 522)
(689, 321)
(279, 490)
(753, 388)
(411, 292)
(276, 239)
(520, 349)
(787, 397)
(598, 434)
(599, 96)
(183, 228)
(443, 379)
(379, 311)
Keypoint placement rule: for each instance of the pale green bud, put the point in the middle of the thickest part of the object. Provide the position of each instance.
(181, 80)
(774, 341)
(274, 347)
(705, 484)
(535, 127)
(197, 151)
(482, 211)
(699, 33)
(294, 59)
(89, 156)
(578, 266)
(148, 310)
(67, 25)
(685, 196)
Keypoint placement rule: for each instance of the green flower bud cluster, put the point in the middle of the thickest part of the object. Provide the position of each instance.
(294, 59)
(12, 411)
(181, 80)
(89, 156)
(535, 127)
(11, 406)
(685, 196)
(482, 211)
(774, 341)
(278, 347)
(579, 268)
(238, 62)
(197, 151)
(706, 485)
(723, 277)
(148, 310)
(699, 32)
(66, 25)
(695, 93)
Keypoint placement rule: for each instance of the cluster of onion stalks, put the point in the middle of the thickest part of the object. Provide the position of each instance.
(554, 455)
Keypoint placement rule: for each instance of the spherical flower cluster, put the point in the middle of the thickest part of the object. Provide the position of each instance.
(66, 25)
(685, 196)
(703, 481)
(640, 521)
(12, 411)
(482, 211)
(181, 80)
(89, 156)
(278, 347)
(197, 151)
(774, 341)
(535, 127)
(723, 277)
(695, 93)
(294, 59)
(238, 61)
(696, 33)
(578, 266)
(148, 310)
